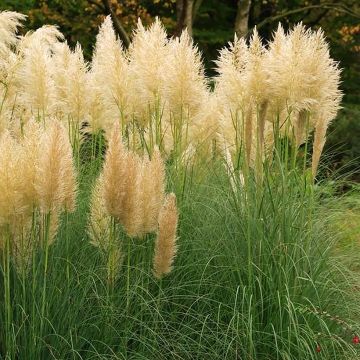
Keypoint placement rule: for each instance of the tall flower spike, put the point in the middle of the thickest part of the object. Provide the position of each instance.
(100, 220)
(153, 189)
(110, 72)
(12, 183)
(134, 194)
(53, 186)
(115, 174)
(37, 90)
(165, 245)
(30, 157)
(184, 83)
(9, 23)
(232, 94)
(72, 87)
(147, 54)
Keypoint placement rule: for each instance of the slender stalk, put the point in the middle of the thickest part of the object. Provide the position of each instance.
(67, 241)
(7, 295)
(128, 277)
(45, 244)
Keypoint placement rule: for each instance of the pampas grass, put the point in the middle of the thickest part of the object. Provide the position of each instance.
(144, 215)
(165, 247)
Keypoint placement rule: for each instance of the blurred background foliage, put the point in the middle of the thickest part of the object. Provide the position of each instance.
(212, 24)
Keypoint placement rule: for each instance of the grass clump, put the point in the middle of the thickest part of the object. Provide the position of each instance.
(164, 220)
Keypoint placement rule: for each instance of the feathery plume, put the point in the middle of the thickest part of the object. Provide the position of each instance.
(12, 184)
(132, 219)
(30, 154)
(147, 55)
(37, 89)
(55, 177)
(152, 185)
(184, 83)
(100, 220)
(115, 175)
(165, 245)
(9, 23)
(110, 70)
(69, 75)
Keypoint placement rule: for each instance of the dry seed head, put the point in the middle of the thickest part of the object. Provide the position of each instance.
(184, 83)
(204, 127)
(100, 220)
(165, 244)
(12, 184)
(98, 116)
(132, 218)
(37, 90)
(230, 86)
(54, 173)
(147, 54)
(153, 191)
(115, 175)
(110, 70)
(69, 74)
(30, 155)
(9, 23)
(256, 77)
(301, 72)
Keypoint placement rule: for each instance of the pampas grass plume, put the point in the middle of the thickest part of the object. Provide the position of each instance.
(115, 175)
(165, 244)
(12, 183)
(110, 70)
(100, 220)
(55, 182)
(153, 191)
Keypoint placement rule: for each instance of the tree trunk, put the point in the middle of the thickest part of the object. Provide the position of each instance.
(242, 18)
(184, 11)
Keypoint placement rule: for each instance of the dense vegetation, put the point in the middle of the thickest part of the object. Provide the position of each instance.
(149, 211)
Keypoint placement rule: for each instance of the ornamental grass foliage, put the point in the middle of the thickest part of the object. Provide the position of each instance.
(145, 215)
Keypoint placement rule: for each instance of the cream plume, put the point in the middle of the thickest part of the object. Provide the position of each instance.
(153, 191)
(110, 70)
(165, 243)
(37, 88)
(184, 83)
(147, 54)
(69, 75)
(55, 172)
(9, 23)
(12, 184)
(115, 175)
(100, 220)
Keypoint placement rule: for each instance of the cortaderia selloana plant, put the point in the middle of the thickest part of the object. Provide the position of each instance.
(38, 184)
(129, 201)
(271, 99)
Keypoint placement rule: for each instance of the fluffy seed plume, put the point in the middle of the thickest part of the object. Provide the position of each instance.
(100, 220)
(153, 191)
(35, 74)
(110, 70)
(12, 184)
(9, 22)
(55, 174)
(184, 83)
(115, 175)
(147, 54)
(165, 245)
